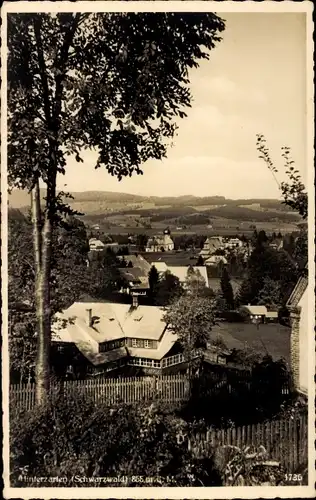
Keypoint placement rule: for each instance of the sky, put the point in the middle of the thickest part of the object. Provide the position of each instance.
(254, 82)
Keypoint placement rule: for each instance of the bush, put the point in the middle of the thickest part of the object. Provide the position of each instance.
(72, 438)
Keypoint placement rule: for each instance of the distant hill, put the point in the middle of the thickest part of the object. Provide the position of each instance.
(113, 203)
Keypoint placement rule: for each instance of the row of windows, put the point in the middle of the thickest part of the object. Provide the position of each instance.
(141, 343)
(172, 360)
(153, 363)
(115, 344)
(150, 363)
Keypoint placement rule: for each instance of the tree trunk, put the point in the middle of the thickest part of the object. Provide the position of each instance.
(41, 244)
(44, 340)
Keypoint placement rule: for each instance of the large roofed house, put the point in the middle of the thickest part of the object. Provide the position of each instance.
(110, 335)
(297, 305)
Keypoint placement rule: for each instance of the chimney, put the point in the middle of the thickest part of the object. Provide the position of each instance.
(135, 301)
(90, 322)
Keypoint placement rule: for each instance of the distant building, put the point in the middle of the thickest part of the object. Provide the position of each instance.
(135, 274)
(253, 313)
(210, 246)
(298, 308)
(233, 243)
(258, 314)
(214, 354)
(272, 317)
(136, 283)
(214, 260)
(111, 335)
(96, 245)
(162, 243)
(181, 272)
(276, 244)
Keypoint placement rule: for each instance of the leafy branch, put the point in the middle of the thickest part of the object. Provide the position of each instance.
(293, 191)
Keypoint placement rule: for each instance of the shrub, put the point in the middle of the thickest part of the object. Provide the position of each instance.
(71, 437)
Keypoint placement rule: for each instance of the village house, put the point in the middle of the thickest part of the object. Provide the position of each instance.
(96, 245)
(297, 305)
(272, 317)
(215, 354)
(135, 274)
(215, 260)
(253, 313)
(135, 282)
(181, 272)
(160, 243)
(111, 335)
(231, 243)
(258, 314)
(210, 246)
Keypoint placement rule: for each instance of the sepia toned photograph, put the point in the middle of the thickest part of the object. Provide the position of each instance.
(157, 226)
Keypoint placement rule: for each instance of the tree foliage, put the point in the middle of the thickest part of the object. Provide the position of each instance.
(270, 294)
(194, 282)
(191, 318)
(153, 279)
(104, 274)
(69, 279)
(227, 290)
(169, 289)
(90, 443)
(293, 191)
(111, 82)
(164, 288)
(267, 265)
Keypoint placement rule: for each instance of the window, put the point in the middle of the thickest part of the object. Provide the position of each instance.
(134, 343)
(147, 344)
(144, 362)
(212, 356)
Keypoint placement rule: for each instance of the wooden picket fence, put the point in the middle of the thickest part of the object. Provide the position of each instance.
(166, 388)
(285, 441)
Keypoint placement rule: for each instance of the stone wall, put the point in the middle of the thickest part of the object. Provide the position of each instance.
(295, 315)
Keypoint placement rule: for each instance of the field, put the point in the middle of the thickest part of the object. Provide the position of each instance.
(220, 227)
(129, 213)
(273, 339)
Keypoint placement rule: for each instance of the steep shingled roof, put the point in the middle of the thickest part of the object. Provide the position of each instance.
(299, 289)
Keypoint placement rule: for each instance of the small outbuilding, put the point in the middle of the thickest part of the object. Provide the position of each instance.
(253, 314)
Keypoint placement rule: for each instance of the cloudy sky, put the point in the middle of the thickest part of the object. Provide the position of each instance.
(253, 83)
